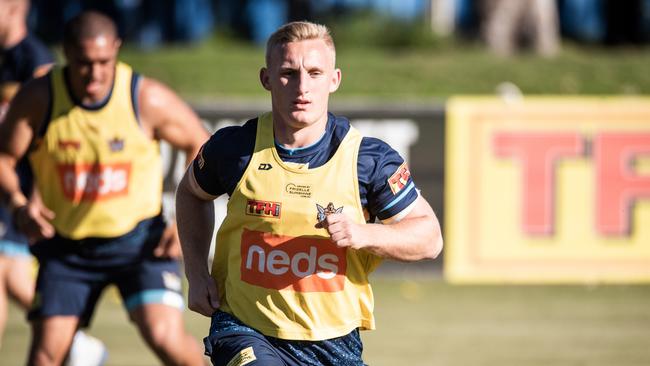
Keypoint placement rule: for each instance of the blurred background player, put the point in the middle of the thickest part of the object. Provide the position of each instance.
(289, 284)
(92, 130)
(22, 58)
(22, 55)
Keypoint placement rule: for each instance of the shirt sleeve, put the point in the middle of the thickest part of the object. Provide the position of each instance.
(206, 166)
(385, 180)
(222, 160)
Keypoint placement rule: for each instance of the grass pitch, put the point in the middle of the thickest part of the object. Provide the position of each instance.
(429, 322)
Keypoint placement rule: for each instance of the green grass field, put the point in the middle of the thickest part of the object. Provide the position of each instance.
(429, 322)
(223, 68)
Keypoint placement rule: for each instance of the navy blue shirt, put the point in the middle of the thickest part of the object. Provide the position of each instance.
(228, 152)
(20, 61)
(18, 66)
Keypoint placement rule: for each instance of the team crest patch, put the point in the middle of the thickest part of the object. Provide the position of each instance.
(398, 180)
(244, 357)
(323, 212)
(116, 144)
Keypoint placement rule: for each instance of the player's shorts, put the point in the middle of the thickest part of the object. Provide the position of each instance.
(231, 342)
(73, 273)
(12, 243)
(14, 249)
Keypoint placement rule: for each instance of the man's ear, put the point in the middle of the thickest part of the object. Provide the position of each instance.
(264, 78)
(336, 80)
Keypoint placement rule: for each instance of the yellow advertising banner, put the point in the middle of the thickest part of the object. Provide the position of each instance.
(547, 190)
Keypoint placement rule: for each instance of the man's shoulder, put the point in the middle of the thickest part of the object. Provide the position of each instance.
(32, 54)
(377, 159)
(374, 147)
(371, 149)
(36, 47)
(34, 90)
(233, 141)
(238, 133)
(224, 158)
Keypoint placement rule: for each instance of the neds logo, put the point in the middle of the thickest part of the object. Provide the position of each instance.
(86, 182)
(299, 264)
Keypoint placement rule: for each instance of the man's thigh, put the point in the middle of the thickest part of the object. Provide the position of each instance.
(65, 290)
(151, 281)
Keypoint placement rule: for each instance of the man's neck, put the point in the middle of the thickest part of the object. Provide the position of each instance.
(293, 138)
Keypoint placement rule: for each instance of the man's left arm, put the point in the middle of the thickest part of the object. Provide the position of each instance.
(165, 116)
(414, 237)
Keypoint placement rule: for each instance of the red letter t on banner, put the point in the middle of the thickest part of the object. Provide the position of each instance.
(538, 153)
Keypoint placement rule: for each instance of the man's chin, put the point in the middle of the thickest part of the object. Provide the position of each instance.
(94, 89)
(303, 117)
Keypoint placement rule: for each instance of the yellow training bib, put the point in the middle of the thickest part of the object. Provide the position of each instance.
(275, 271)
(95, 167)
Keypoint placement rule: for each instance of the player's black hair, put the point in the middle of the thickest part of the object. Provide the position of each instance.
(88, 25)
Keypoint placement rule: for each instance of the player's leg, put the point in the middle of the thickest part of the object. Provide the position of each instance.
(163, 329)
(152, 293)
(20, 280)
(67, 291)
(51, 339)
(3, 295)
(16, 280)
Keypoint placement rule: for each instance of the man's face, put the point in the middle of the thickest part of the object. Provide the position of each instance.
(300, 76)
(91, 67)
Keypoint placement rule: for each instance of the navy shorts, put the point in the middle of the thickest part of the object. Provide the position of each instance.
(231, 342)
(12, 243)
(73, 273)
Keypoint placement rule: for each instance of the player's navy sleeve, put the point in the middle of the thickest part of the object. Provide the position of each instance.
(384, 179)
(20, 61)
(222, 160)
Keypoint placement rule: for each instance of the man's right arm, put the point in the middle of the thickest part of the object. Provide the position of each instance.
(195, 219)
(24, 117)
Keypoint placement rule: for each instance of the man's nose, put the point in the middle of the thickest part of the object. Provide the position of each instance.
(304, 80)
(95, 71)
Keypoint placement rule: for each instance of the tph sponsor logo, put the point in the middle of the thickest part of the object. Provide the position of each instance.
(263, 208)
(302, 264)
(86, 182)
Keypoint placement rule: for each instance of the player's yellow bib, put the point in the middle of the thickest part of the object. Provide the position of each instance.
(276, 271)
(95, 167)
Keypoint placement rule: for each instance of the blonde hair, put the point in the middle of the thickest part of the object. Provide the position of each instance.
(298, 31)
